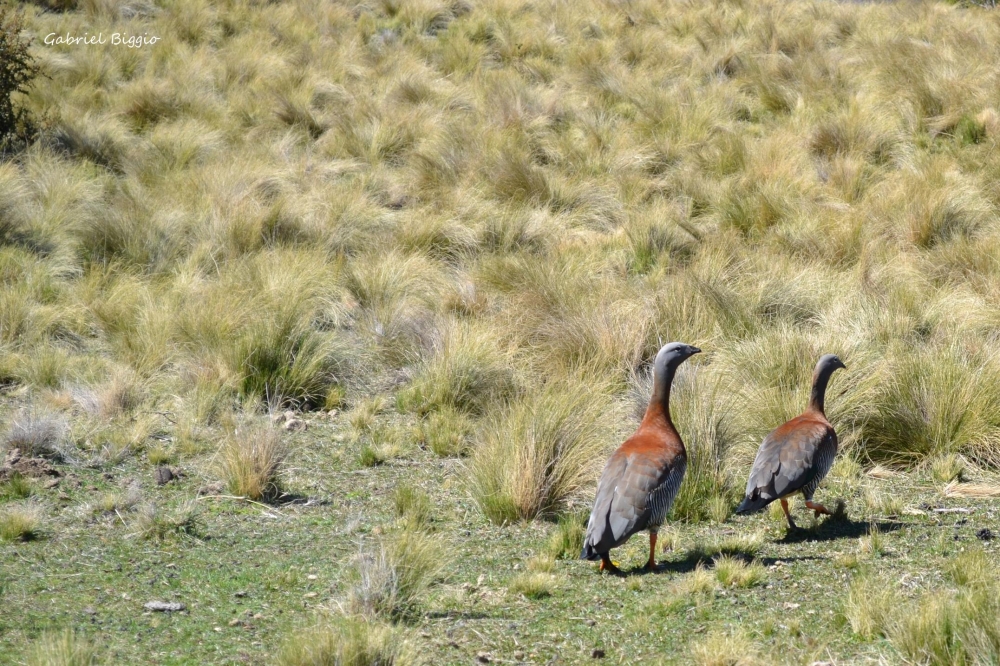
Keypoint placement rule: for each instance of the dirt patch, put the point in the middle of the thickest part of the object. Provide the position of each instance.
(35, 468)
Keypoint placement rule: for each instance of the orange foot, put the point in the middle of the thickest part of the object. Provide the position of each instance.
(609, 566)
(818, 508)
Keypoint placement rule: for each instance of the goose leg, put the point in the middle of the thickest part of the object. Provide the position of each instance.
(608, 565)
(788, 515)
(818, 508)
(651, 564)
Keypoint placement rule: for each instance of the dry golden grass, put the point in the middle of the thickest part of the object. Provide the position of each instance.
(558, 200)
(956, 489)
(63, 649)
(349, 641)
(20, 522)
(250, 461)
(490, 215)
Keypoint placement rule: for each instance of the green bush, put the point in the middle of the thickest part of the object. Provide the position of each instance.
(17, 69)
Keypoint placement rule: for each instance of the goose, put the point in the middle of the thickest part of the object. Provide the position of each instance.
(641, 479)
(796, 456)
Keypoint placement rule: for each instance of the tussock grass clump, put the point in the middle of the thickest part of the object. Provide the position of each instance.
(566, 540)
(868, 605)
(37, 434)
(250, 461)
(391, 580)
(20, 522)
(468, 371)
(948, 628)
(948, 467)
(882, 503)
(934, 403)
(380, 444)
(116, 502)
(872, 545)
(413, 505)
(744, 546)
(153, 522)
(66, 648)
(971, 568)
(734, 572)
(16, 487)
(724, 649)
(349, 641)
(533, 585)
(446, 432)
(540, 452)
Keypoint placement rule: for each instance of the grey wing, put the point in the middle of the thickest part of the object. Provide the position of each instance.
(786, 461)
(634, 493)
(599, 538)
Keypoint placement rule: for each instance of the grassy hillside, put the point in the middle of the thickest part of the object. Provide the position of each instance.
(448, 238)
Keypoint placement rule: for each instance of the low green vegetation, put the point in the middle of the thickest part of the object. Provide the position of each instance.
(319, 320)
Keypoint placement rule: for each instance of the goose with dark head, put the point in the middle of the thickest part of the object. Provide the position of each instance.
(642, 477)
(796, 456)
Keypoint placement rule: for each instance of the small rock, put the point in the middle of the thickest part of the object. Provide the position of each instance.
(590, 623)
(163, 475)
(482, 657)
(295, 425)
(333, 413)
(89, 611)
(51, 483)
(788, 605)
(164, 606)
(519, 655)
(312, 577)
(277, 419)
(598, 653)
(985, 534)
(289, 415)
(212, 488)
(235, 621)
(13, 455)
(240, 594)
(309, 595)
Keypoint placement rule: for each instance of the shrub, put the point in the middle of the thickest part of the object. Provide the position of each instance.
(540, 452)
(16, 74)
